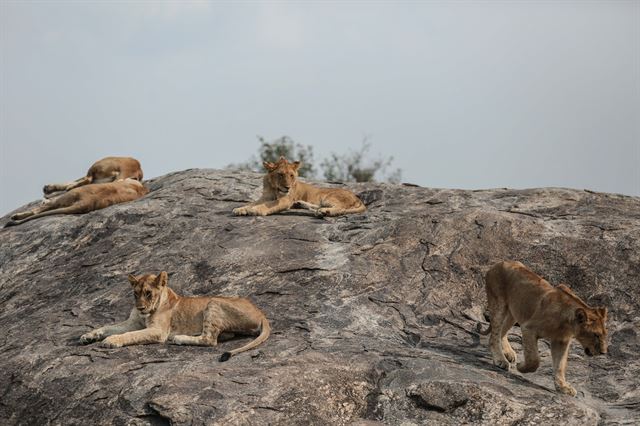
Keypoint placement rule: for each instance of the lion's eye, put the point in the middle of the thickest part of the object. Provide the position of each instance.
(147, 294)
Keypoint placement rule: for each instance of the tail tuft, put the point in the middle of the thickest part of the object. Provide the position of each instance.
(225, 357)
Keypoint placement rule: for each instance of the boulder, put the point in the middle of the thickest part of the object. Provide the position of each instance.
(373, 315)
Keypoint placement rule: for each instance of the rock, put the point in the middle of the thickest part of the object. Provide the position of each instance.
(373, 315)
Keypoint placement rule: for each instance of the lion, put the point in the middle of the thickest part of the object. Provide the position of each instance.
(282, 190)
(516, 294)
(161, 315)
(84, 199)
(107, 170)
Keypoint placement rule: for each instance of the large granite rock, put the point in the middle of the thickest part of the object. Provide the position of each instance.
(373, 315)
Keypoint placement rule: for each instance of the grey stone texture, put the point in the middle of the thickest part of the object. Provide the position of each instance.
(373, 315)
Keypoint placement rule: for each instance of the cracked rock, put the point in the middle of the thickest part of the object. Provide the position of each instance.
(373, 315)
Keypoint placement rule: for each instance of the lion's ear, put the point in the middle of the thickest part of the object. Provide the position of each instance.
(296, 165)
(161, 280)
(603, 313)
(133, 280)
(269, 166)
(581, 316)
(565, 288)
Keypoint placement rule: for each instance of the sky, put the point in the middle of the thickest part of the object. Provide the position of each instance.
(462, 94)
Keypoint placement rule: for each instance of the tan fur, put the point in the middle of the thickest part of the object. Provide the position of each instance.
(161, 315)
(108, 169)
(85, 199)
(516, 294)
(282, 189)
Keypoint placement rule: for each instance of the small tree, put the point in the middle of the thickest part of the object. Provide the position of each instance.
(354, 167)
(272, 151)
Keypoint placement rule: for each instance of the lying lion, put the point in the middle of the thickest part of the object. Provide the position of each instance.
(281, 190)
(85, 199)
(515, 294)
(107, 170)
(161, 315)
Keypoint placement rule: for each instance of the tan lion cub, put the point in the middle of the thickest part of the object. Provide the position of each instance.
(107, 170)
(84, 199)
(160, 315)
(282, 189)
(515, 294)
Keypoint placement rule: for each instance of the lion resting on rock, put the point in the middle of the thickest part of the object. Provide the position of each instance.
(281, 190)
(109, 169)
(515, 294)
(84, 199)
(161, 315)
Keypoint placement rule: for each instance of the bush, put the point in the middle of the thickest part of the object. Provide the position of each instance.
(355, 167)
(351, 167)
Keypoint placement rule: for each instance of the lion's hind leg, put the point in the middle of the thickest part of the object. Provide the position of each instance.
(114, 176)
(306, 205)
(337, 206)
(530, 346)
(323, 209)
(52, 190)
(499, 313)
(507, 350)
(339, 211)
(35, 211)
(211, 329)
(65, 204)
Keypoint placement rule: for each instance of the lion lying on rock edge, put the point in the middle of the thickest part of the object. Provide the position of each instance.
(282, 190)
(161, 315)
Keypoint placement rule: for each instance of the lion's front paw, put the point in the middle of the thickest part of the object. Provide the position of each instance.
(502, 363)
(174, 340)
(241, 211)
(566, 389)
(90, 337)
(525, 367)
(111, 342)
(510, 356)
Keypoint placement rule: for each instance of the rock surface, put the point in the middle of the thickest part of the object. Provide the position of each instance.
(373, 315)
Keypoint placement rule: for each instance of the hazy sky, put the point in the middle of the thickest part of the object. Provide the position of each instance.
(462, 94)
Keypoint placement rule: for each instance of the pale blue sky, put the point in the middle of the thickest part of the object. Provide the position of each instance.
(462, 94)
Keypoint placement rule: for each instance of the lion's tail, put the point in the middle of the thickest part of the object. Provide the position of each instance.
(483, 332)
(265, 330)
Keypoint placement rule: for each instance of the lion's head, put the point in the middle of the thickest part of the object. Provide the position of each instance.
(282, 174)
(591, 330)
(147, 290)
